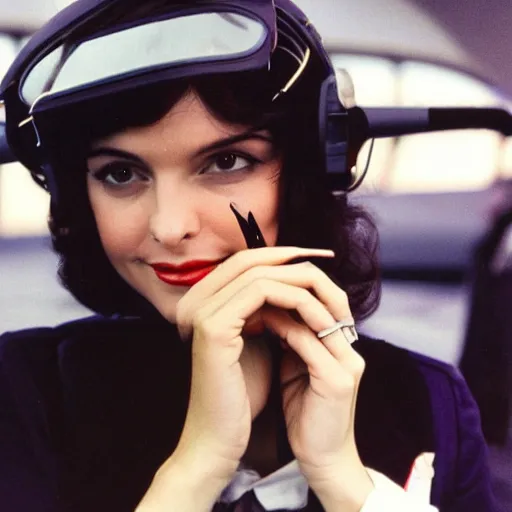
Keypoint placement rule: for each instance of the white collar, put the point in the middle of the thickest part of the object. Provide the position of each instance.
(285, 488)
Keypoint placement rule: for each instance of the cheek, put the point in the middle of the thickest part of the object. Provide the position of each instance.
(122, 227)
(264, 204)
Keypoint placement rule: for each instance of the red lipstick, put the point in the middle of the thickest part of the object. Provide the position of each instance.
(185, 274)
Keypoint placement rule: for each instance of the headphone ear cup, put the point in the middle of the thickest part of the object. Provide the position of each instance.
(333, 137)
(347, 97)
(345, 88)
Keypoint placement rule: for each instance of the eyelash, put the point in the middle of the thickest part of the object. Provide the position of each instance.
(215, 158)
(103, 173)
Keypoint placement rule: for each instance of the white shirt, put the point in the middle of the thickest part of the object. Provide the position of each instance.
(287, 488)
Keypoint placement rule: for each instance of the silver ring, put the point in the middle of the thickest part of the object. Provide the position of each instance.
(341, 325)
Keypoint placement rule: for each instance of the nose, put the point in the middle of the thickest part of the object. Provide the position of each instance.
(174, 216)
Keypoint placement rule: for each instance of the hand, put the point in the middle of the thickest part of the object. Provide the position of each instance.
(230, 376)
(320, 380)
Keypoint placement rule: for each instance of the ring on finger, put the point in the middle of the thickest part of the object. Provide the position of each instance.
(346, 327)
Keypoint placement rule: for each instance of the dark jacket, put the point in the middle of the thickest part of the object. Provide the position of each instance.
(89, 411)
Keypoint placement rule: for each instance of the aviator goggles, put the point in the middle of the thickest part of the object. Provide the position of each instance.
(176, 42)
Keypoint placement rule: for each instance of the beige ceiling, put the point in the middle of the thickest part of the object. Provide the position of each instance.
(399, 28)
(408, 32)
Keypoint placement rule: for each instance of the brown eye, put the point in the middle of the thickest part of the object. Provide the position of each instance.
(118, 174)
(230, 162)
(121, 175)
(225, 162)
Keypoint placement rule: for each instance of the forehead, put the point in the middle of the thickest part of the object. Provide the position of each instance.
(187, 122)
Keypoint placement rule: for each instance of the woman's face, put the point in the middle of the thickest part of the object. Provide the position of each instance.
(161, 197)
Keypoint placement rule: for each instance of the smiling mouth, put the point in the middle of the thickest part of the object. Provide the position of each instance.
(186, 274)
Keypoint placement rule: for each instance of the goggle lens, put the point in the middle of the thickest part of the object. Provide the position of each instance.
(191, 39)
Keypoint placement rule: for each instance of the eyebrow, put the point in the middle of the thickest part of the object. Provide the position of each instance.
(228, 141)
(118, 153)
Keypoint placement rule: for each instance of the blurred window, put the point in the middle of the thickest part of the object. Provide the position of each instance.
(23, 206)
(8, 51)
(437, 162)
(505, 160)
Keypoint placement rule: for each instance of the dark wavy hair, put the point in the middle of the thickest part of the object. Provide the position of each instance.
(309, 214)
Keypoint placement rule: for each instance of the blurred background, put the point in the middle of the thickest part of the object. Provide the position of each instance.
(442, 201)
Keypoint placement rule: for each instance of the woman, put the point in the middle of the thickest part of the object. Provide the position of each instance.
(193, 212)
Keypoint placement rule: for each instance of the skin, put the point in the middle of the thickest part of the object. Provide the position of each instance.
(170, 212)
(174, 207)
(187, 212)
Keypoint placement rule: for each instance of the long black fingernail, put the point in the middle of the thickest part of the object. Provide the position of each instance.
(244, 225)
(250, 229)
(257, 231)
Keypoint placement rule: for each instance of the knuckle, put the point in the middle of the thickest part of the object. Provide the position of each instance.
(181, 311)
(344, 386)
(316, 274)
(286, 334)
(311, 270)
(183, 320)
(358, 365)
(309, 267)
(303, 297)
(256, 273)
(344, 296)
(260, 285)
(198, 320)
(241, 257)
(299, 334)
(202, 321)
(206, 327)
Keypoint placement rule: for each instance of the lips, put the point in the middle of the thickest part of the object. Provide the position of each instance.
(186, 274)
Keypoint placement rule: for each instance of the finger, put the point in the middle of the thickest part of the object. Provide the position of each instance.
(304, 275)
(231, 315)
(336, 302)
(309, 277)
(305, 342)
(328, 379)
(301, 340)
(230, 269)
